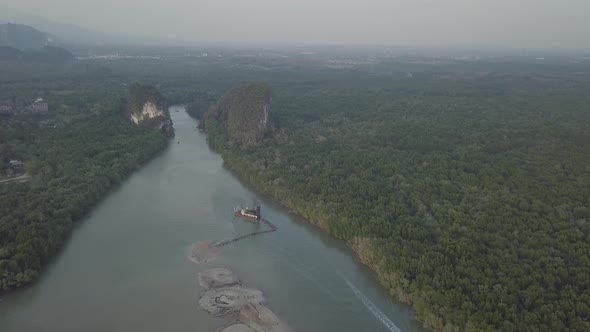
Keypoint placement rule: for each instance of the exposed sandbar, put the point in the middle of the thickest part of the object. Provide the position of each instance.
(261, 319)
(203, 252)
(237, 328)
(223, 301)
(218, 277)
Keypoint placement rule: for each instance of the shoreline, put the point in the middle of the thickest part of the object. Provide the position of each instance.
(354, 245)
(78, 222)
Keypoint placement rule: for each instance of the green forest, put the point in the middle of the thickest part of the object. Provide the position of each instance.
(73, 155)
(73, 159)
(469, 196)
(465, 186)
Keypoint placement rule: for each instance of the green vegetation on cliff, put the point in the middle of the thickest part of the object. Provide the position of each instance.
(140, 94)
(240, 116)
(147, 107)
(469, 197)
(463, 184)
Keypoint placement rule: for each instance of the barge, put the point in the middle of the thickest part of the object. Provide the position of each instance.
(247, 213)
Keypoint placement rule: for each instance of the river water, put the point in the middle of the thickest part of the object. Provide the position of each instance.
(125, 267)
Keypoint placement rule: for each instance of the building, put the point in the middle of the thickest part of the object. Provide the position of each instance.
(5, 109)
(15, 168)
(40, 106)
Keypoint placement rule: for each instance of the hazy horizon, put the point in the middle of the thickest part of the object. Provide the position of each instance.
(535, 24)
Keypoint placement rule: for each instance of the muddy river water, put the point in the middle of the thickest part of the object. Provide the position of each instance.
(125, 267)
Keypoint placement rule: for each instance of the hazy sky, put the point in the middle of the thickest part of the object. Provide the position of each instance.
(513, 23)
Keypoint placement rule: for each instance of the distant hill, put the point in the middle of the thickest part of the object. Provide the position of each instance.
(47, 54)
(66, 33)
(10, 53)
(22, 42)
(23, 37)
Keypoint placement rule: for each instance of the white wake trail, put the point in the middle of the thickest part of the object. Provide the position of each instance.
(372, 307)
(305, 272)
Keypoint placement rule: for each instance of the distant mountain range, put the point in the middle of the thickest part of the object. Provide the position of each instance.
(66, 33)
(24, 37)
(22, 42)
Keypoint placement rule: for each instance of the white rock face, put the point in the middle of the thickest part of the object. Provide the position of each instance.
(265, 110)
(150, 110)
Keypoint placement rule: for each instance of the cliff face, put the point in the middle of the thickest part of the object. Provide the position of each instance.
(148, 111)
(242, 113)
(147, 107)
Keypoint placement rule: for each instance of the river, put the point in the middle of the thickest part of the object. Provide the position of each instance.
(125, 267)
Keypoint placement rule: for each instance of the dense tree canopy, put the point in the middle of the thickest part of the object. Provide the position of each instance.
(72, 164)
(464, 184)
(471, 201)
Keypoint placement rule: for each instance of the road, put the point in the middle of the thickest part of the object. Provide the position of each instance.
(23, 178)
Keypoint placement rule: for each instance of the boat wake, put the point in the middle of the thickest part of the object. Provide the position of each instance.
(305, 273)
(371, 306)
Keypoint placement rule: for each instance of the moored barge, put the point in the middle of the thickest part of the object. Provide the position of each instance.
(252, 214)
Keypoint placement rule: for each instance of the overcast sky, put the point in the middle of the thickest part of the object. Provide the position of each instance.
(512, 23)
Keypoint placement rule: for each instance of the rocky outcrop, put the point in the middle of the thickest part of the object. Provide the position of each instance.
(224, 296)
(147, 107)
(148, 111)
(242, 114)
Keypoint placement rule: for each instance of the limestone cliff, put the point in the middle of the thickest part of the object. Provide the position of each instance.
(147, 107)
(242, 114)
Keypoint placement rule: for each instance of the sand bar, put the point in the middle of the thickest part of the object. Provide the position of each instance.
(237, 328)
(226, 300)
(203, 252)
(261, 319)
(218, 277)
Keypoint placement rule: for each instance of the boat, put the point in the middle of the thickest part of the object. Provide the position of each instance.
(248, 213)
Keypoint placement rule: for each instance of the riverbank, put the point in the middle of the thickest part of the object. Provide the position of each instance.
(364, 249)
(69, 182)
(142, 280)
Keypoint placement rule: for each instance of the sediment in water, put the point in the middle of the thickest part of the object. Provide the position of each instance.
(218, 277)
(237, 328)
(203, 252)
(226, 300)
(261, 319)
(224, 295)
